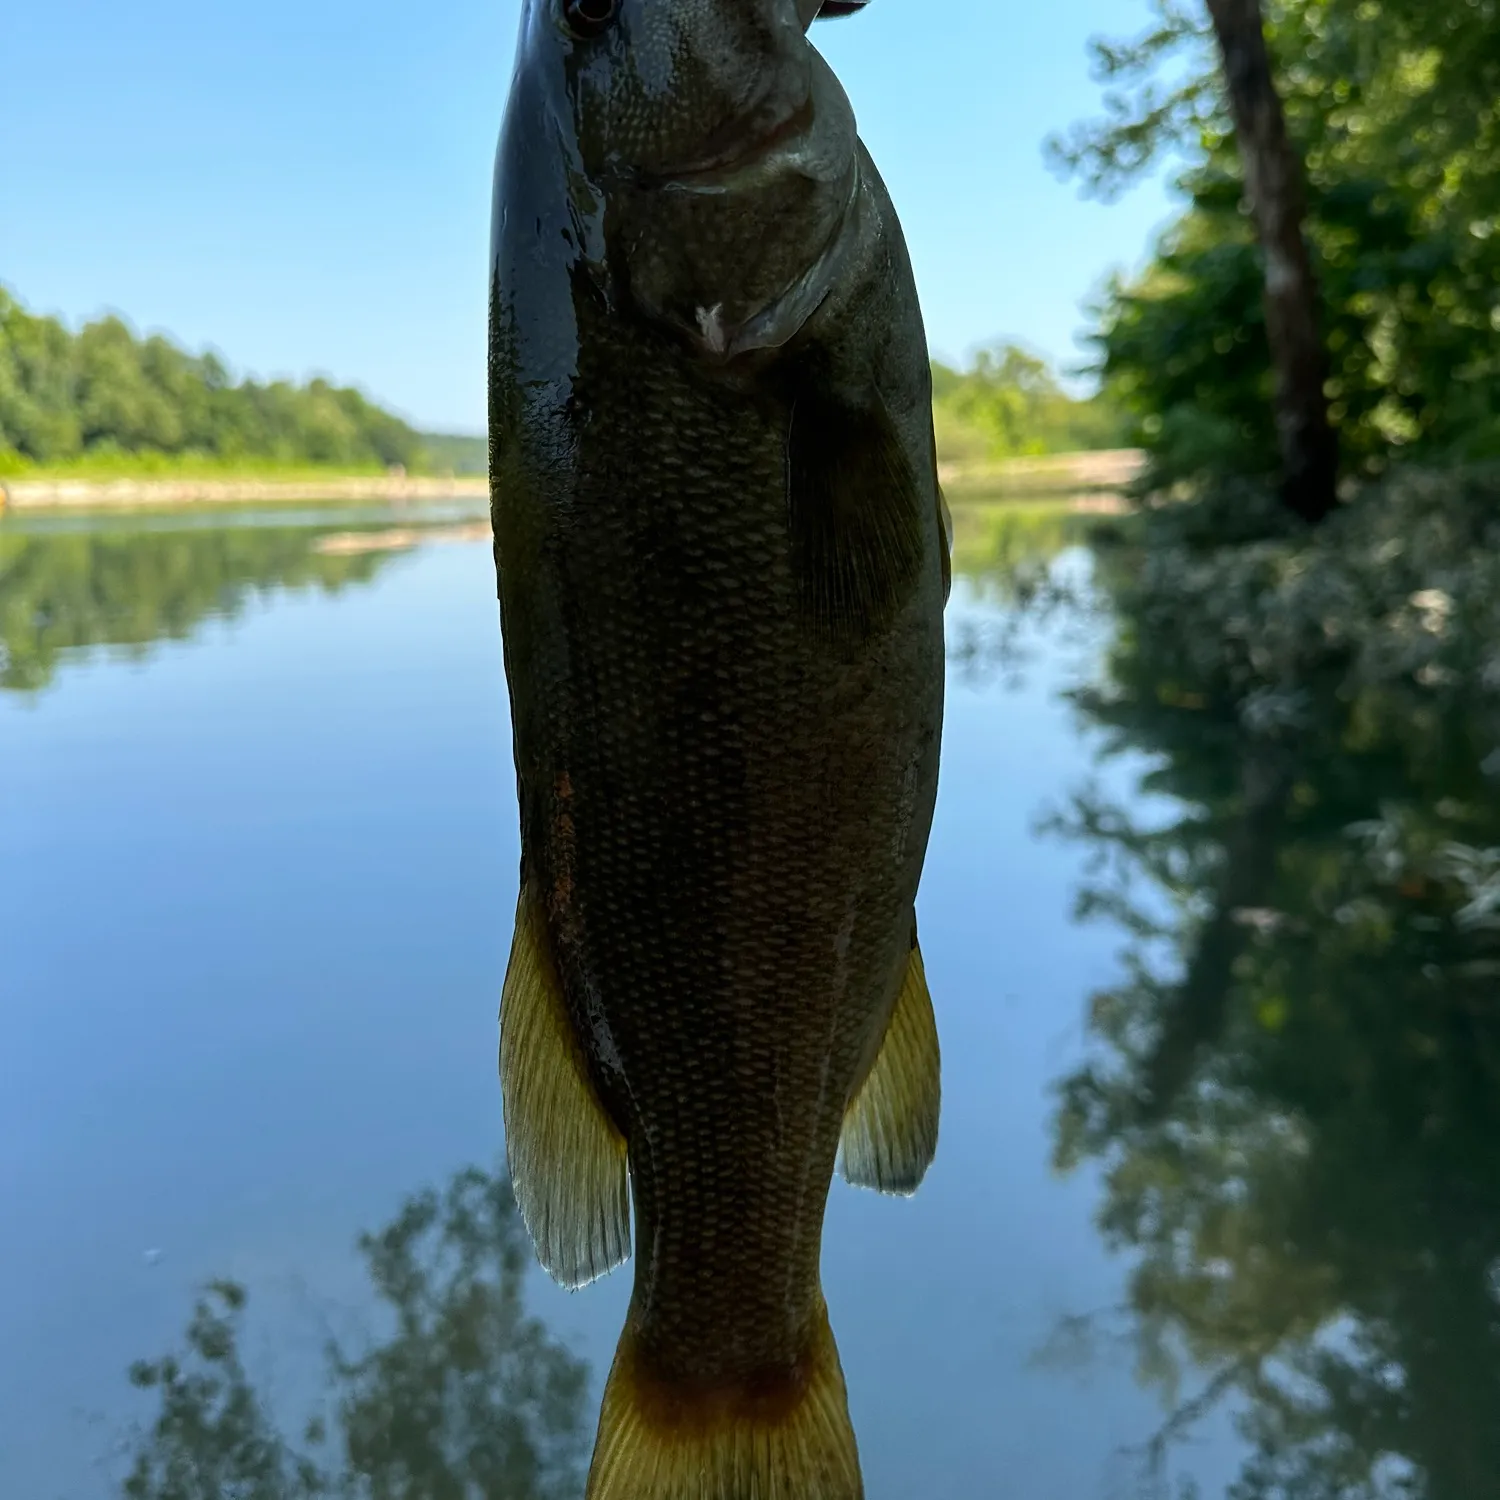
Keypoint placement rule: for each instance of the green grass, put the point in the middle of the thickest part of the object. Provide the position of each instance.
(102, 467)
(1010, 481)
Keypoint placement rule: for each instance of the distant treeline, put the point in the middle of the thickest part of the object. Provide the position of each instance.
(1008, 404)
(456, 453)
(103, 393)
(104, 397)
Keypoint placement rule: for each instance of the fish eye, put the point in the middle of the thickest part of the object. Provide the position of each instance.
(588, 18)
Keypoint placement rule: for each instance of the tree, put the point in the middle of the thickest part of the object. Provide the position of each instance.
(1273, 184)
(1394, 107)
(103, 391)
(1009, 404)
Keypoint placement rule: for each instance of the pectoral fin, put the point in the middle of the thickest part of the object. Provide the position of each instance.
(566, 1158)
(891, 1128)
(856, 515)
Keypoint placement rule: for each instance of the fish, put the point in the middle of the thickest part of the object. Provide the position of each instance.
(722, 561)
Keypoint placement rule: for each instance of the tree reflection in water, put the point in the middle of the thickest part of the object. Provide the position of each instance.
(64, 591)
(1295, 1088)
(1009, 556)
(468, 1398)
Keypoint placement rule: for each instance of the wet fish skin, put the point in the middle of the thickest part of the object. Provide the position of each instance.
(722, 571)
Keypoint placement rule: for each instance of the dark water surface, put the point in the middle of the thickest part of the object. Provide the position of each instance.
(257, 870)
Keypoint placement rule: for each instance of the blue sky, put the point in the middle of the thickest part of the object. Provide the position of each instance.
(304, 184)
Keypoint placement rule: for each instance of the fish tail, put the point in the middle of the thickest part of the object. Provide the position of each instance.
(784, 1439)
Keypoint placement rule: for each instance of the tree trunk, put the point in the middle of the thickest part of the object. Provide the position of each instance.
(1194, 1019)
(1273, 184)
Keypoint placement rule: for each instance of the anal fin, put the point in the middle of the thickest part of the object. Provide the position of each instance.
(891, 1129)
(781, 1437)
(567, 1159)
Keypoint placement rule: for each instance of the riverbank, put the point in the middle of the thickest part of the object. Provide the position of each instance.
(102, 494)
(398, 539)
(1083, 479)
(1108, 471)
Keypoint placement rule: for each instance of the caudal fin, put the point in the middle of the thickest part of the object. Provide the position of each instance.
(791, 1442)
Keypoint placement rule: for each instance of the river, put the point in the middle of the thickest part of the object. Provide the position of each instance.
(257, 867)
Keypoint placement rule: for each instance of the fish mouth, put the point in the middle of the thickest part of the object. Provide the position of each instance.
(738, 150)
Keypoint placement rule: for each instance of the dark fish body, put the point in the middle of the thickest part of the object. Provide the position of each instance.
(722, 570)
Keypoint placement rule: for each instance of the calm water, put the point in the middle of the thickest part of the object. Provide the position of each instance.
(257, 868)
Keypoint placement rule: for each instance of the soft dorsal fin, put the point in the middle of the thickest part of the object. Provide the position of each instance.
(566, 1156)
(891, 1129)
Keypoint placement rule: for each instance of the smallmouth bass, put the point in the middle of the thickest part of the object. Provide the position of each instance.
(722, 560)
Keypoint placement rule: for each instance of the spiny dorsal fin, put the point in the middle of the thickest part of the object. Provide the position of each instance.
(775, 1440)
(855, 514)
(567, 1159)
(891, 1128)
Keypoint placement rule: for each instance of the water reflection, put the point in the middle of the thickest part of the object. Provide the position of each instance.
(1295, 1093)
(283, 1017)
(468, 1396)
(68, 583)
(1009, 555)
(73, 582)
(1005, 547)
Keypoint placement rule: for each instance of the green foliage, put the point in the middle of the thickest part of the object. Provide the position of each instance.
(104, 403)
(103, 392)
(456, 453)
(1008, 404)
(1395, 107)
(1294, 1092)
(64, 590)
(468, 1399)
(107, 464)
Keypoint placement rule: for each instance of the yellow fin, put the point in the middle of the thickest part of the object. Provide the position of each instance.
(566, 1158)
(787, 1441)
(891, 1128)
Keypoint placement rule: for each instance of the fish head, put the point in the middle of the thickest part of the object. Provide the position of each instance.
(716, 156)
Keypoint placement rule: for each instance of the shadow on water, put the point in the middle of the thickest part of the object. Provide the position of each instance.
(467, 1396)
(1294, 1089)
(69, 583)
